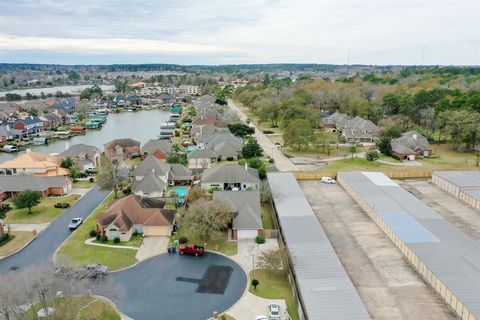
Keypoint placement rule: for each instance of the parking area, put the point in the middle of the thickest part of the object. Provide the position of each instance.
(453, 210)
(174, 286)
(387, 285)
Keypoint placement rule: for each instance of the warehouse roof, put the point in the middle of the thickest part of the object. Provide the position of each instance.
(447, 252)
(461, 179)
(324, 287)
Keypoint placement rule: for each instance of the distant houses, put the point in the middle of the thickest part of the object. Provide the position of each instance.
(410, 145)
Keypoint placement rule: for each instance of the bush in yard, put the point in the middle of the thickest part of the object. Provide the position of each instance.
(260, 240)
(92, 180)
(62, 205)
(93, 233)
(99, 237)
(182, 240)
(4, 208)
(104, 239)
(116, 240)
(255, 283)
(229, 158)
(4, 237)
(271, 160)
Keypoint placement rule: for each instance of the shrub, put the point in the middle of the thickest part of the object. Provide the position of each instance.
(4, 237)
(4, 208)
(212, 189)
(104, 239)
(182, 240)
(260, 240)
(62, 205)
(229, 158)
(268, 132)
(116, 240)
(99, 237)
(255, 283)
(92, 180)
(135, 233)
(93, 233)
(271, 160)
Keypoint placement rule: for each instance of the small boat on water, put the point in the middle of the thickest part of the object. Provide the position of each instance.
(63, 134)
(39, 141)
(93, 125)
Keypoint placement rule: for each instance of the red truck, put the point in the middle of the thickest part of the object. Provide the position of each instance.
(191, 248)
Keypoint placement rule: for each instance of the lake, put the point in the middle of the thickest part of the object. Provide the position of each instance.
(53, 90)
(141, 125)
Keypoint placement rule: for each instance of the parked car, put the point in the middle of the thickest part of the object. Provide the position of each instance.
(328, 180)
(9, 148)
(191, 248)
(76, 222)
(274, 310)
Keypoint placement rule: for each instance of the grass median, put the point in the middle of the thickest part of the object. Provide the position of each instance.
(76, 253)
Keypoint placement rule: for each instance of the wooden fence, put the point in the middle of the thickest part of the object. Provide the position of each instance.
(390, 174)
(269, 234)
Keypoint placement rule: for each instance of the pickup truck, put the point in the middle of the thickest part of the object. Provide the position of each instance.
(191, 248)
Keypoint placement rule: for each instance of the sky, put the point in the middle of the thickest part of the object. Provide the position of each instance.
(381, 32)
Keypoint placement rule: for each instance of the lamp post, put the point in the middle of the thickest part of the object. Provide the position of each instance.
(253, 265)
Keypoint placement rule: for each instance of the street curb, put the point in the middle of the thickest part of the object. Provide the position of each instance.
(89, 242)
(54, 258)
(114, 306)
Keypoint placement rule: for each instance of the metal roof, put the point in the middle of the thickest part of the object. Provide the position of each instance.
(461, 179)
(446, 251)
(324, 286)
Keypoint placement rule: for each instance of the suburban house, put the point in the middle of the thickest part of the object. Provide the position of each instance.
(158, 148)
(10, 186)
(33, 163)
(51, 121)
(207, 124)
(6, 133)
(29, 125)
(410, 145)
(84, 156)
(201, 159)
(247, 214)
(225, 145)
(153, 176)
(135, 214)
(120, 149)
(360, 130)
(335, 122)
(231, 177)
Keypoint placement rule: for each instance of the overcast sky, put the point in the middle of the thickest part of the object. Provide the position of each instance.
(240, 31)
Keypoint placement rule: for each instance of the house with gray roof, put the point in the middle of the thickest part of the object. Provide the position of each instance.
(247, 213)
(410, 145)
(335, 122)
(231, 177)
(120, 149)
(153, 176)
(83, 155)
(154, 145)
(360, 130)
(201, 159)
(224, 144)
(10, 186)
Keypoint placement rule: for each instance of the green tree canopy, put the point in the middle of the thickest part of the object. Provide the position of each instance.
(252, 149)
(27, 199)
(240, 129)
(298, 135)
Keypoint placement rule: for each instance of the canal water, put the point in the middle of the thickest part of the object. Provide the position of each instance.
(141, 125)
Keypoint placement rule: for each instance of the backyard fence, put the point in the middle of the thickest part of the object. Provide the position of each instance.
(269, 234)
(390, 174)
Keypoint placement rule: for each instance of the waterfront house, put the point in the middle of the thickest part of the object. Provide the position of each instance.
(246, 209)
(5, 133)
(231, 177)
(29, 125)
(10, 186)
(33, 163)
(51, 120)
(84, 156)
(120, 149)
(159, 148)
(133, 214)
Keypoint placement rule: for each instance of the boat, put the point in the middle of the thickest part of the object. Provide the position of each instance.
(63, 134)
(77, 130)
(39, 141)
(93, 125)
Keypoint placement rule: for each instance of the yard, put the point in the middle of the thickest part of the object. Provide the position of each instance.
(275, 286)
(228, 248)
(134, 241)
(17, 240)
(75, 252)
(267, 219)
(93, 309)
(43, 213)
(83, 184)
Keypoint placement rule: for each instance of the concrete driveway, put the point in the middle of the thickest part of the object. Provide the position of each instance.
(44, 246)
(174, 286)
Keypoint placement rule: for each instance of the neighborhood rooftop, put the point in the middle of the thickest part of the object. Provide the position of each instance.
(325, 289)
(446, 257)
(230, 173)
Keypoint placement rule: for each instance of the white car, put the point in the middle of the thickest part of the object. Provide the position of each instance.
(274, 310)
(76, 222)
(261, 317)
(328, 180)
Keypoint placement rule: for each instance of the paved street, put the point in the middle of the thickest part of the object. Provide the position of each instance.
(281, 161)
(44, 246)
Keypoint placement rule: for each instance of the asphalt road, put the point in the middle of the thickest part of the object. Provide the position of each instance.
(173, 286)
(44, 246)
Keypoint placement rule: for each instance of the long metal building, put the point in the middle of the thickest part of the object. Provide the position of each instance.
(444, 256)
(463, 185)
(323, 286)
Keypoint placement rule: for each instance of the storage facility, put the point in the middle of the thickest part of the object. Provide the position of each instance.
(322, 284)
(463, 185)
(444, 256)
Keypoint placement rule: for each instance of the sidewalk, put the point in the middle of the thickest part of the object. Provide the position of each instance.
(38, 227)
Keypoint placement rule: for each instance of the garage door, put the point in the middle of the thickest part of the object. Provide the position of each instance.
(243, 234)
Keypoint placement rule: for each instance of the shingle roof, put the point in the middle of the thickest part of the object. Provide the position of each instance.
(230, 173)
(35, 183)
(126, 212)
(359, 127)
(149, 184)
(126, 142)
(201, 154)
(410, 143)
(76, 149)
(155, 144)
(246, 205)
(173, 171)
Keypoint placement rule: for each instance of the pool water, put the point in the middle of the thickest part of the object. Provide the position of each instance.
(181, 191)
(191, 149)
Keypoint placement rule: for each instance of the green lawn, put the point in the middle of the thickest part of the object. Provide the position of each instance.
(75, 252)
(228, 248)
(267, 219)
(80, 308)
(133, 242)
(42, 213)
(275, 286)
(83, 184)
(17, 240)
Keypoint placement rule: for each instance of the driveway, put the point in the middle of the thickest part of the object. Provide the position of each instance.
(281, 161)
(174, 286)
(44, 246)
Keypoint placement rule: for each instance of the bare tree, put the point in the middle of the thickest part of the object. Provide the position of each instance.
(272, 261)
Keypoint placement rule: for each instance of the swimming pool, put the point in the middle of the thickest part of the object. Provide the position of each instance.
(181, 191)
(191, 149)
